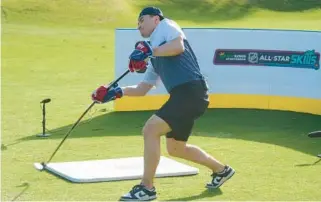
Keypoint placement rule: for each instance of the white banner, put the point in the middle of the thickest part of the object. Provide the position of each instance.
(244, 61)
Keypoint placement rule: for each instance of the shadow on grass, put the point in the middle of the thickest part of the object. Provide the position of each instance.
(215, 10)
(25, 186)
(287, 5)
(205, 194)
(286, 129)
(310, 164)
(201, 11)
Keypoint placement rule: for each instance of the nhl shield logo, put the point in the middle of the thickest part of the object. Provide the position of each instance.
(253, 57)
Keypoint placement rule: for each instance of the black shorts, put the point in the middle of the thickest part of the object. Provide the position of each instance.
(186, 103)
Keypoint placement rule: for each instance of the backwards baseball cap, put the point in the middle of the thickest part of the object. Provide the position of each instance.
(151, 11)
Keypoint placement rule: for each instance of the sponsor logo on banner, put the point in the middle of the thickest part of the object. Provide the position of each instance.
(296, 59)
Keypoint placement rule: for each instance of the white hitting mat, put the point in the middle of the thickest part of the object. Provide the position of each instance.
(116, 169)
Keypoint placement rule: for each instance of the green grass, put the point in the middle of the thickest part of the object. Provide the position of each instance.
(65, 49)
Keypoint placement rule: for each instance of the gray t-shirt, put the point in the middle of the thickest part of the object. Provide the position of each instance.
(171, 70)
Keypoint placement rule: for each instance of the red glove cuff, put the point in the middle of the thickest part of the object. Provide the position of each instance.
(142, 47)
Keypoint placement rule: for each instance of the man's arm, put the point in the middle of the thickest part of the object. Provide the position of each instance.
(103, 95)
(171, 48)
(139, 90)
(149, 81)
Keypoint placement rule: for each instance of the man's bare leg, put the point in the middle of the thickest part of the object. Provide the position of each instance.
(153, 129)
(193, 153)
